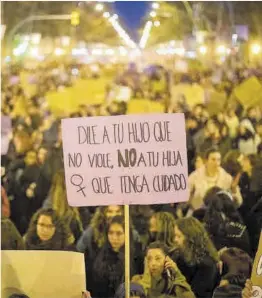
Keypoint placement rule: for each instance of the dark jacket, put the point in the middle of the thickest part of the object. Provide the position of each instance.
(233, 234)
(203, 277)
(108, 272)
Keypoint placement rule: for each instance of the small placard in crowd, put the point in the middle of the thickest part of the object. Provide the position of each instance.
(124, 160)
(249, 92)
(40, 279)
(257, 272)
(6, 129)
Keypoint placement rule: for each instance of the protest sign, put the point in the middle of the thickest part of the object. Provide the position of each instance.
(124, 160)
(249, 93)
(256, 277)
(32, 273)
(194, 94)
(216, 103)
(6, 129)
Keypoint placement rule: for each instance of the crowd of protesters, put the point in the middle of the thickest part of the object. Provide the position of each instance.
(204, 248)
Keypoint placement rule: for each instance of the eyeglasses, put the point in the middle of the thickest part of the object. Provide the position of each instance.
(46, 226)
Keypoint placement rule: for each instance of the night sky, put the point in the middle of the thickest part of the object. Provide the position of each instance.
(131, 14)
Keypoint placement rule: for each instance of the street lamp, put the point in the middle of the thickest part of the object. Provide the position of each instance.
(221, 50)
(203, 50)
(99, 7)
(255, 48)
(59, 52)
(106, 14)
(153, 14)
(114, 17)
(155, 5)
(156, 23)
(145, 35)
(34, 52)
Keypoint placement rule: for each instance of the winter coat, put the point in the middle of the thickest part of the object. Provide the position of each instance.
(108, 272)
(172, 285)
(231, 234)
(202, 277)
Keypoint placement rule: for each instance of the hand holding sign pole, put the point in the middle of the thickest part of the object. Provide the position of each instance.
(124, 160)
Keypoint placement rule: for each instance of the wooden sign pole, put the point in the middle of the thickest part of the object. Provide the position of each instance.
(127, 253)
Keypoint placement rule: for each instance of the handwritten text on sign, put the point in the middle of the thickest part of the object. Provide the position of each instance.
(125, 159)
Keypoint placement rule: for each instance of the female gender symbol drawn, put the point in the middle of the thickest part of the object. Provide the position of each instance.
(77, 180)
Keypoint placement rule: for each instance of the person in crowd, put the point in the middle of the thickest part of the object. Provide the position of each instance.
(162, 277)
(231, 163)
(208, 176)
(109, 265)
(10, 237)
(259, 133)
(140, 215)
(42, 155)
(247, 140)
(232, 122)
(235, 269)
(196, 256)
(254, 224)
(252, 115)
(94, 237)
(224, 223)
(57, 200)
(48, 232)
(15, 170)
(161, 227)
(248, 163)
(217, 138)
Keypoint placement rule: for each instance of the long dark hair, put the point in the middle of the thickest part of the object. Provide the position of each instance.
(197, 241)
(220, 210)
(59, 240)
(110, 265)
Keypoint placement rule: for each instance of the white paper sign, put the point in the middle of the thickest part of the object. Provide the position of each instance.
(42, 274)
(134, 159)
